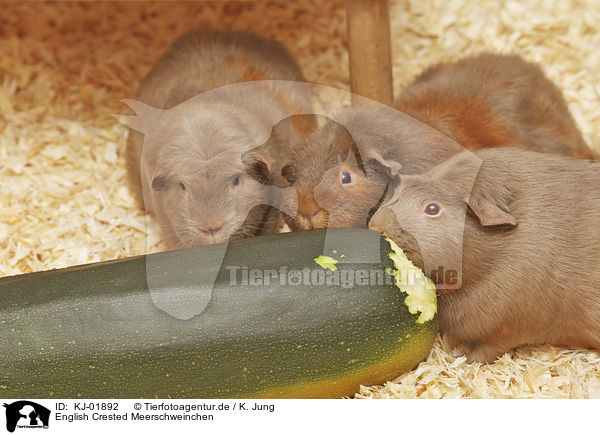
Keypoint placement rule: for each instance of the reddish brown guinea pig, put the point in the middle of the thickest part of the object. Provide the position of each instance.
(493, 100)
(339, 172)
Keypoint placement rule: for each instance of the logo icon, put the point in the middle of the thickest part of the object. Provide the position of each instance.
(26, 414)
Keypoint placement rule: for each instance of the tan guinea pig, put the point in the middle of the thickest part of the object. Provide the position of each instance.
(520, 232)
(188, 166)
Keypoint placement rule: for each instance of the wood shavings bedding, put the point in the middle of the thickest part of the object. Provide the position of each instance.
(65, 66)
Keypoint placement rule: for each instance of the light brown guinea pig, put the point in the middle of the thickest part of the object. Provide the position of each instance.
(200, 165)
(480, 102)
(523, 229)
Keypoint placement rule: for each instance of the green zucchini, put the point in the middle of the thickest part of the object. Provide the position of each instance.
(93, 331)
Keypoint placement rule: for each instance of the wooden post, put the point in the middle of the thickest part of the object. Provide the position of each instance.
(369, 43)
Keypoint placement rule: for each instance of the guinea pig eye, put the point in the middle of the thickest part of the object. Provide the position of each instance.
(433, 209)
(181, 188)
(346, 177)
(236, 181)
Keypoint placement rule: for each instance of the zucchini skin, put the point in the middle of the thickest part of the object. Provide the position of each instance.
(93, 331)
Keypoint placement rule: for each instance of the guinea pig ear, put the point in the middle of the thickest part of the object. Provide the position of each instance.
(390, 168)
(159, 182)
(144, 118)
(258, 164)
(490, 212)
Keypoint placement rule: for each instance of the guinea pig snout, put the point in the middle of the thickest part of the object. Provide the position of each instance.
(384, 221)
(311, 215)
(212, 230)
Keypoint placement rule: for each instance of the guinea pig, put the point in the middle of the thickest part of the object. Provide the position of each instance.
(480, 102)
(492, 100)
(524, 225)
(197, 156)
(339, 172)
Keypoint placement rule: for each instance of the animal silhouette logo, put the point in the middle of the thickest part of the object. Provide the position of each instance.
(26, 414)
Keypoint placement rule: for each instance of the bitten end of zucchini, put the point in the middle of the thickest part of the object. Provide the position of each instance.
(420, 291)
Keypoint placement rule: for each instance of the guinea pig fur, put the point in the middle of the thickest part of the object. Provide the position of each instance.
(199, 166)
(492, 100)
(530, 251)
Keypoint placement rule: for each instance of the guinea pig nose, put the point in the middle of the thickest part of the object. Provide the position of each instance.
(212, 232)
(379, 229)
(310, 213)
(383, 220)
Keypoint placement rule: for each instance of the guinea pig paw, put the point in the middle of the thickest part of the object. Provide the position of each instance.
(449, 342)
(484, 353)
